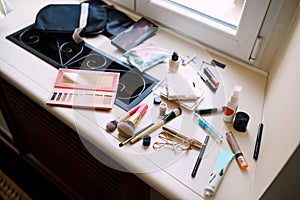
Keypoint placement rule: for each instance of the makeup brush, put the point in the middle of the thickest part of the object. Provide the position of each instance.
(112, 125)
(135, 134)
(127, 128)
(173, 114)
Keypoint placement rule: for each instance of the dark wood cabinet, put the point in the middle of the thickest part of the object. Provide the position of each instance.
(57, 152)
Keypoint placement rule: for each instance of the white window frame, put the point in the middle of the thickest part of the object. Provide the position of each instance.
(238, 43)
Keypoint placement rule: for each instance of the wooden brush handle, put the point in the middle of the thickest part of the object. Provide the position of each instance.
(137, 116)
(128, 114)
(176, 112)
(148, 131)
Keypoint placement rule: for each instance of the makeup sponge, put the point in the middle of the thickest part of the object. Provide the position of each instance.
(126, 129)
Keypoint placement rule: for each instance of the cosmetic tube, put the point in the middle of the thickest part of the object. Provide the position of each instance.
(217, 174)
(211, 76)
(209, 129)
(208, 82)
(204, 111)
(236, 150)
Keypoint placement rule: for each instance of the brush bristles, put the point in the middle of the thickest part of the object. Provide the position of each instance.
(111, 126)
(126, 129)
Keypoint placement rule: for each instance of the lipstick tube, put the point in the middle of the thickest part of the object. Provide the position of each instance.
(236, 150)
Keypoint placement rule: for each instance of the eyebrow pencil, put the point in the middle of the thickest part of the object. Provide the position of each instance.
(201, 153)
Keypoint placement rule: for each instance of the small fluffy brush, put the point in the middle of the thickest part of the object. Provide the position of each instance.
(127, 128)
(112, 125)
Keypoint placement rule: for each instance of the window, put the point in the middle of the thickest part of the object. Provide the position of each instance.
(237, 34)
(227, 12)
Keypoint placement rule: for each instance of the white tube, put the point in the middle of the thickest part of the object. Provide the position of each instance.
(217, 174)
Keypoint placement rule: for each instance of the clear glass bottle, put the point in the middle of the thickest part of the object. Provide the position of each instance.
(174, 63)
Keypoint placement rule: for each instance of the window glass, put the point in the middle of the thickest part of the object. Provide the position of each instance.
(232, 27)
(227, 12)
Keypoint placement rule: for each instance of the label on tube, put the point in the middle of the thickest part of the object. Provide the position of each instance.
(215, 177)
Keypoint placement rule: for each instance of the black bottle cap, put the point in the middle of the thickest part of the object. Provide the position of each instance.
(146, 140)
(175, 56)
(241, 121)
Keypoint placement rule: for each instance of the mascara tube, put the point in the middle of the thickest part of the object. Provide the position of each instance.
(239, 156)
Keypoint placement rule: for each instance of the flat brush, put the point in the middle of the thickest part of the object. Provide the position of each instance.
(127, 128)
(112, 125)
(173, 114)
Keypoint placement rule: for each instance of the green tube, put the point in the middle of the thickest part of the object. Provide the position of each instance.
(215, 177)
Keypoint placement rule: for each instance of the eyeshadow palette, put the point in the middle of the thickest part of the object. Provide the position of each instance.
(84, 89)
(60, 51)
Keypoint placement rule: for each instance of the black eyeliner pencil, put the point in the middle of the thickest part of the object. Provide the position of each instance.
(258, 140)
(200, 156)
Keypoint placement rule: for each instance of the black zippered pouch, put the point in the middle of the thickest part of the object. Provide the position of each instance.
(91, 18)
